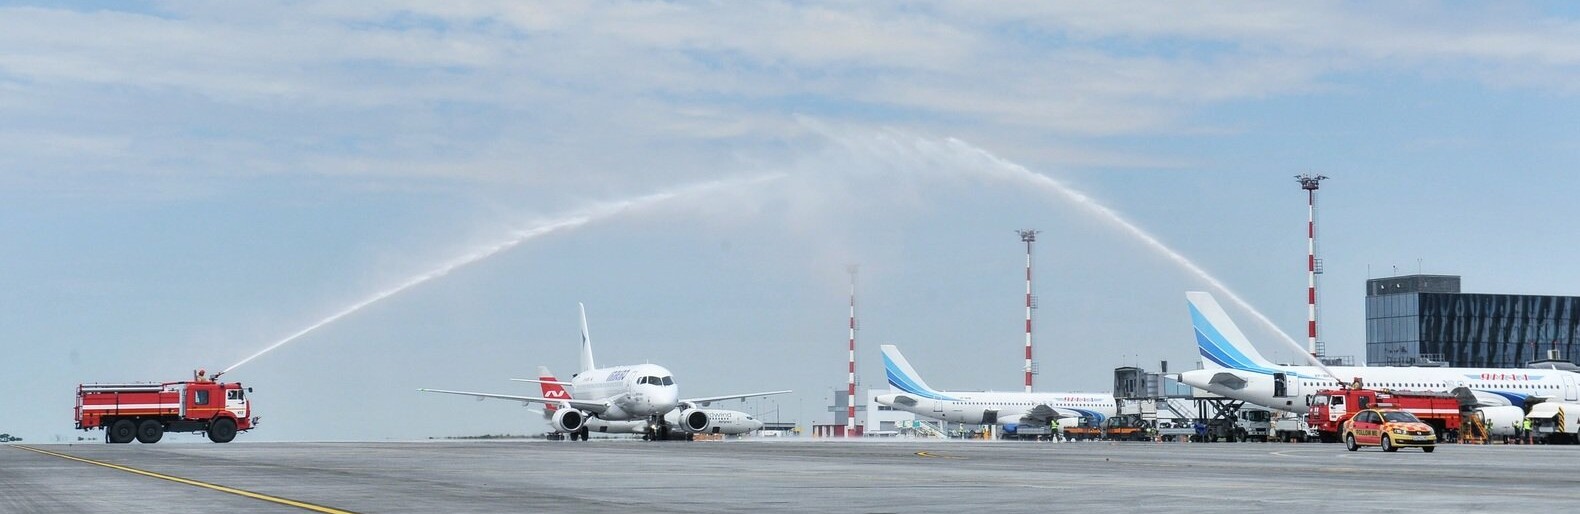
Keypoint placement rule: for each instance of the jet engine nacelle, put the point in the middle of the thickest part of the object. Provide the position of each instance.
(1501, 420)
(695, 420)
(568, 420)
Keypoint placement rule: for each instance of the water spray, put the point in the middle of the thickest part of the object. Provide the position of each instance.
(567, 222)
(1081, 199)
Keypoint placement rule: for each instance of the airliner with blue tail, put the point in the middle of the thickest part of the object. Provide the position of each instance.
(909, 393)
(1234, 369)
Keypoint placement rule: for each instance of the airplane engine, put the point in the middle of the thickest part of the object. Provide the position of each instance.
(568, 420)
(695, 420)
(1501, 420)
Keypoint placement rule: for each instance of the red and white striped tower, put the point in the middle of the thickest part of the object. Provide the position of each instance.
(1029, 237)
(850, 407)
(1309, 183)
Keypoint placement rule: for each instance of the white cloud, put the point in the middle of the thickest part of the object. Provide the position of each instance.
(524, 91)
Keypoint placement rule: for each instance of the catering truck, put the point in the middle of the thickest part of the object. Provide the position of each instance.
(145, 411)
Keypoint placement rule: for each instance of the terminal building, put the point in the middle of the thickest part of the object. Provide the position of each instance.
(1425, 320)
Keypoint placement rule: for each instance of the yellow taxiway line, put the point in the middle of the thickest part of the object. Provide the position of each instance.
(205, 485)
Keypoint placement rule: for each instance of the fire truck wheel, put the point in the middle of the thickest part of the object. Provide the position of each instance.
(123, 431)
(222, 430)
(150, 431)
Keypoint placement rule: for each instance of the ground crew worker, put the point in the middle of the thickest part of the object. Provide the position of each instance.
(1527, 430)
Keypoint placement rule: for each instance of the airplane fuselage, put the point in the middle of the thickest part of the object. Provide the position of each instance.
(636, 392)
(998, 408)
(1491, 386)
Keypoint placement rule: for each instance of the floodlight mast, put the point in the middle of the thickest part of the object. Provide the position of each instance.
(1029, 236)
(1309, 183)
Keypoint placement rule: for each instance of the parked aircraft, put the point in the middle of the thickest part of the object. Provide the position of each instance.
(1008, 409)
(642, 392)
(1234, 369)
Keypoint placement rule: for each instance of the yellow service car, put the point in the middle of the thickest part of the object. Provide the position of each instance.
(1390, 429)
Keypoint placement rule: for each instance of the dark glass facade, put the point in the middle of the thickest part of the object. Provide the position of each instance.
(1419, 319)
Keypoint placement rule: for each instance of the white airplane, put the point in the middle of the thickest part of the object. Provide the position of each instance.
(643, 392)
(1009, 409)
(1235, 370)
(713, 421)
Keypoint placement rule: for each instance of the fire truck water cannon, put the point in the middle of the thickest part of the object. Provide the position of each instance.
(145, 411)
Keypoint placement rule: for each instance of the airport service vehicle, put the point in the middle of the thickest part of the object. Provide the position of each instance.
(146, 411)
(1235, 370)
(1391, 429)
(909, 393)
(1555, 423)
(1293, 428)
(699, 421)
(1111, 429)
(1331, 408)
(643, 392)
(1253, 424)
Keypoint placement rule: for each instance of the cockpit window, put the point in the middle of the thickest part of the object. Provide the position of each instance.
(669, 381)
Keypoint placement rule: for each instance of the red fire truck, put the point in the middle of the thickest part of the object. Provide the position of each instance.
(146, 411)
(1331, 408)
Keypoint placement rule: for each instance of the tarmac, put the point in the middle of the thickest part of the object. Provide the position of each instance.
(774, 475)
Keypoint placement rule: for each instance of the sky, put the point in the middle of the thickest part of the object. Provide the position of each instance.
(184, 184)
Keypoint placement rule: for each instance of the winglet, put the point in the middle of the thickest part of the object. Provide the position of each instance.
(587, 358)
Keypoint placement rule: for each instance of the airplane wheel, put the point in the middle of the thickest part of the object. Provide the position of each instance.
(150, 432)
(123, 431)
(1387, 444)
(1349, 442)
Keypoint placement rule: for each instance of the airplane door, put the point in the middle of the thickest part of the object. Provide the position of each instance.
(1280, 385)
(1571, 392)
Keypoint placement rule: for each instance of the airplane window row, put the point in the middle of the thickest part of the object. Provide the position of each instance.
(1429, 385)
(656, 380)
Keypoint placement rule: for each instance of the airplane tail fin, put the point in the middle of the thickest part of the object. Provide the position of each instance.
(902, 377)
(551, 389)
(1220, 342)
(587, 358)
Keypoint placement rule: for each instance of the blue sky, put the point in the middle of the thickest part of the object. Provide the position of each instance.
(183, 184)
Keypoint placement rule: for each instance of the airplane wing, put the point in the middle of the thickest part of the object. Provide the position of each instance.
(1045, 413)
(589, 406)
(710, 399)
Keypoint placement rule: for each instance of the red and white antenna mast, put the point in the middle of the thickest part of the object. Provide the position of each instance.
(1309, 183)
(850, 407)
(1029, 236)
